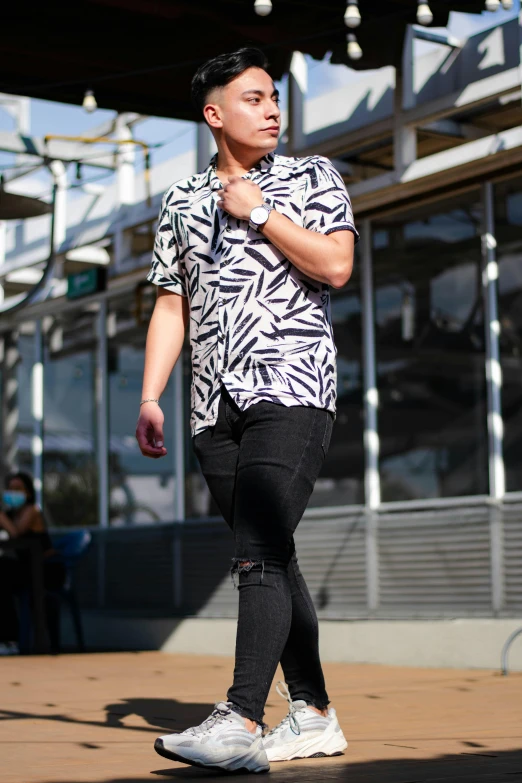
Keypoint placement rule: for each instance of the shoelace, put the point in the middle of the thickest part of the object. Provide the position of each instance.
(218, 714)
(291, 717)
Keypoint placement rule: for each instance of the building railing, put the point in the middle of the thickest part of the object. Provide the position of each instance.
(436, 561)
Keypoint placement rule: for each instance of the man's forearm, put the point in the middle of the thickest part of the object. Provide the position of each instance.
(164, 343)
(326, 258)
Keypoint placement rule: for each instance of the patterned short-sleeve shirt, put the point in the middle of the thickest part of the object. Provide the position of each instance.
(258, 324)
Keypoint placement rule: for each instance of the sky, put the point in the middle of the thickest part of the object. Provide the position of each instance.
(176, 137)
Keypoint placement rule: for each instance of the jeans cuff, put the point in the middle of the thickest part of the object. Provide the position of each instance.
(246, 714)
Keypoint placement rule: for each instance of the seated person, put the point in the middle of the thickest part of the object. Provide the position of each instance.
(21, 517)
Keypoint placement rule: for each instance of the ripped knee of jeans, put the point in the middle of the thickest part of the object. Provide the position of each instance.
(242, 565)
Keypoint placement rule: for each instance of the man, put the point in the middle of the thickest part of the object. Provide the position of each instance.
(245, 252)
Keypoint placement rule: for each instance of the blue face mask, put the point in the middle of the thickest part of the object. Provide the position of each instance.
(13, 498)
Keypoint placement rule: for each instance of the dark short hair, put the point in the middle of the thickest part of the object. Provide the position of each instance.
(27, 481)
(221, 70)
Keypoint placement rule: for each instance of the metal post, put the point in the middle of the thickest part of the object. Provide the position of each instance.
(179, 440)
(37, 394)
(492, 331)
(126, 158)
(204, 146)
(297, 89)
(372, 489)
(371, 398)
(102, 416)
(494, 389)
(179, 481)
(404, 136)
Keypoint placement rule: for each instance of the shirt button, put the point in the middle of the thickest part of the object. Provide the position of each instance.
(228, 228)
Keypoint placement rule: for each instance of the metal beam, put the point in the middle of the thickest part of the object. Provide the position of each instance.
(475, 159)
(68, 152)
(479, 93)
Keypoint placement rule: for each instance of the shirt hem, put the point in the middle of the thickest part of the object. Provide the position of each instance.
(343, 227)
(175, 288)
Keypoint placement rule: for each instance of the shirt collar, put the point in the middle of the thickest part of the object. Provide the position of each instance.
(211, 179)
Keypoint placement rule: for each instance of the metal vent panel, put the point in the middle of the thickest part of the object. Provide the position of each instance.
(513, 556)
(435, 562)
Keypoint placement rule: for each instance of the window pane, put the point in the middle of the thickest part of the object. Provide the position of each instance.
(430, 351)
(508, 233)
(341, 481)
(141, 489)
(70, 464)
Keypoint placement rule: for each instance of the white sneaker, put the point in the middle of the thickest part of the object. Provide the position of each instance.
(304, 734)
(222, 742)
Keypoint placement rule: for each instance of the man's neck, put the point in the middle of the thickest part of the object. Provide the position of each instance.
(235, 164)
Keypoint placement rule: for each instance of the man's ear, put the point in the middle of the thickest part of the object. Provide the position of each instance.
(212, 115)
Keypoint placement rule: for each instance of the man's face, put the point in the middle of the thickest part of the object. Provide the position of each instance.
(246, 111)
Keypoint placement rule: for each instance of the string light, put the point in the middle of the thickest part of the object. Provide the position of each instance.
(352, 16)
(492, 5)
(424, 15)
(89, 101)
(507, 5)
(353, 48)
(263, 7)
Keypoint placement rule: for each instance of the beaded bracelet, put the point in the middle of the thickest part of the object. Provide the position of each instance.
(151, 399)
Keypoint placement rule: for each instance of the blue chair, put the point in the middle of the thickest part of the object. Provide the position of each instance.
(70, 548)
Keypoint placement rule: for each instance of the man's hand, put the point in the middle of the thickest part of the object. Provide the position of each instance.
(149, 431)
(239, 197)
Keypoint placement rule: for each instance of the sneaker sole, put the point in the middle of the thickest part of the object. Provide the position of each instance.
(337, 750)
(168, 754)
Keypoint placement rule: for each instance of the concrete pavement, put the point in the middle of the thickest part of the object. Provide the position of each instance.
(93, 719)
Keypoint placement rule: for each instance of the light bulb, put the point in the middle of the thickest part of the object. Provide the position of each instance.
(507, 5)
(492, 5)
(263, 7)
(353, 48)
(424, 15)
(89, 101)
(352, 16)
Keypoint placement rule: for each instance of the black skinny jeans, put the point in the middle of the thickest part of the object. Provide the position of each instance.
(261, 465)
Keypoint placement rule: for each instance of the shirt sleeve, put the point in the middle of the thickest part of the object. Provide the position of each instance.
(327, 206)
(166, 270)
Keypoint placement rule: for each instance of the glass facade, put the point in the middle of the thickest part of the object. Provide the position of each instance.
(70, 468)
(142, 490)
(341, 481)
(430, 350)
(430, 363)
(508, 234)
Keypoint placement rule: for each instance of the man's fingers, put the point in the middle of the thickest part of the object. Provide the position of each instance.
(158, 436)
(149, 435)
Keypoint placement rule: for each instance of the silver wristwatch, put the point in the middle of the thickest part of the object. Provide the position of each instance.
(260, 215)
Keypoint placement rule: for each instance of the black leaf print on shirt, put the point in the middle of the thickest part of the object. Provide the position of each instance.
(259, 257)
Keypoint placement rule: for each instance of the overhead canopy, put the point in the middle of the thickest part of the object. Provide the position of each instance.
(15, 207)
(139, 55)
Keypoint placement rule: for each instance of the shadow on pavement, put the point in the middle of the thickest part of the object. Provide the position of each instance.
(161, 714)
(479, 767)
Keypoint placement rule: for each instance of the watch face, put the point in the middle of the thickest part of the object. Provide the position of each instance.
(259, 215)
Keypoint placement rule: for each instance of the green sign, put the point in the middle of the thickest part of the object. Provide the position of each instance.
(88, 282)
